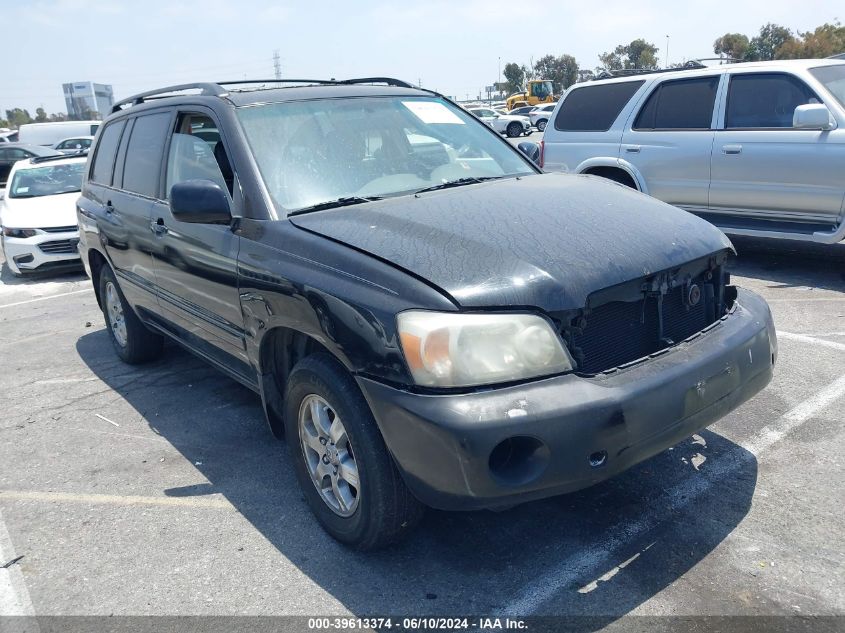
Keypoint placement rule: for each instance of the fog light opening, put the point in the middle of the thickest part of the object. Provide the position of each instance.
(598, 459)
(518, 460)
(24, 259)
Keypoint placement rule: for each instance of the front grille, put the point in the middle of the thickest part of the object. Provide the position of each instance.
(60, 229)
(620, 332)
(59, 247)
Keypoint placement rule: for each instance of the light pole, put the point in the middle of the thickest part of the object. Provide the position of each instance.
(666, 61)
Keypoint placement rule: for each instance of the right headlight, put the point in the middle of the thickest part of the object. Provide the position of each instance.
(19, 232)
(463, 350)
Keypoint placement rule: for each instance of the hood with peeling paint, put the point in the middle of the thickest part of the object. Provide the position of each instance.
(546, 241)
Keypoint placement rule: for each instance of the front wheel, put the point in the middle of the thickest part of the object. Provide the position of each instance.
(344, 469)
(541, 125)
(131, 339)
(513, 130)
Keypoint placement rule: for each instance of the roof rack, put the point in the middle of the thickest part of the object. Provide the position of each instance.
(35, 160)
(217, 89)
(628, 72)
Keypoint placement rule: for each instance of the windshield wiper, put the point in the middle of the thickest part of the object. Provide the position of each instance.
(333, 204)
(469, 180)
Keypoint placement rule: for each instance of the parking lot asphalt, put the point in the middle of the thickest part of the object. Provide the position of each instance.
(158, 489)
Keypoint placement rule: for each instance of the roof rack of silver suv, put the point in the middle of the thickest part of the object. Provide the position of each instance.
(217, 89)
(626, 72)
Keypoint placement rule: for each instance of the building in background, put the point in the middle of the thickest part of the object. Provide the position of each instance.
(86, 100)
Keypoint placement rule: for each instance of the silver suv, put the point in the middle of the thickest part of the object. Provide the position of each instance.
(757, 148)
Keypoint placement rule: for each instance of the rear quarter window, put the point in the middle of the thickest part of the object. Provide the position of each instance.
(594, 108)
(103, 165)
(680, 104)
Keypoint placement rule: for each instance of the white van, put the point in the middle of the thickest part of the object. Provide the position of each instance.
(52, 133)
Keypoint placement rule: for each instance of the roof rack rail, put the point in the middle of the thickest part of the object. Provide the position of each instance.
(206, 88)
(216, 89)
(390, 81)
(628, 72)
(35, 160)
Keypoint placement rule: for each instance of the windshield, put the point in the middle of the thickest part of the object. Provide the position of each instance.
(47, 181)
(318, 151)
(833, 78)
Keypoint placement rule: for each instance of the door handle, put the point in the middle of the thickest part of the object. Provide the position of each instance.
(732, 149)
(158, 226)
(633, 149)
(109, 207)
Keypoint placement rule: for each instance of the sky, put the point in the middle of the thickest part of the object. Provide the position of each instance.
(452, 46)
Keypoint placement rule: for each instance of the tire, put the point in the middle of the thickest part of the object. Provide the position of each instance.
(380, 510)
(131, 339)
(541, 125)
(513, 130)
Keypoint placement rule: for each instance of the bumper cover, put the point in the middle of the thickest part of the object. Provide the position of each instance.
(41, 252)
(443, 443)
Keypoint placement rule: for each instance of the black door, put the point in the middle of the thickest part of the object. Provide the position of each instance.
(125, 224)
(196, 264)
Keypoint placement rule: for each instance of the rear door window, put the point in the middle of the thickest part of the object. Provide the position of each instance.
(103, 166)
(144, 154)
(594, 108)
(765, 100)
(683, 104)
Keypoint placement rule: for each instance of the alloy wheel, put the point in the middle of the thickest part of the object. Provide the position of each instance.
(328, 455)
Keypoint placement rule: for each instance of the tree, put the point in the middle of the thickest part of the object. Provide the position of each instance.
(515, 76)
(764, 46)
(528, 71)
(734, 45)
(562, 71)
(18, 117)
(826, 40)
(586, 75)
(40, 115)
(638, 54)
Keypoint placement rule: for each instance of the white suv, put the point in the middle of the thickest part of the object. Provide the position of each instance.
(757, 148)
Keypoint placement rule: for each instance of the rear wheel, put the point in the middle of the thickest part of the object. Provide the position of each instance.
(344, 469)
(132, 341)
(513, 130)
(541, 125)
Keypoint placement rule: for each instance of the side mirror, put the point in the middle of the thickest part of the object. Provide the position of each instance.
(813, 116)
(199, 201)
(531, 150)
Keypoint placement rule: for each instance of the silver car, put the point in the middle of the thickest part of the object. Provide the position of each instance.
(756, 148)
(539, 116)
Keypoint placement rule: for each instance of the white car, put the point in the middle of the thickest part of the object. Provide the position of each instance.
(38, 214)
(539, 116)
(74, 144)
(503, 123)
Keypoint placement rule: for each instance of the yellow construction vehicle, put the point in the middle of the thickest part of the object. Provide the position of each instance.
(538, 91)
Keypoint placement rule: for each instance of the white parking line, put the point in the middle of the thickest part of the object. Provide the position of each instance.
(62, 294)
(212, 501)
(812, 340)
(573, 569)
(14, 597)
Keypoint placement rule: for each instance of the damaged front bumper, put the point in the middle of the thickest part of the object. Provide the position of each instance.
(514, 444)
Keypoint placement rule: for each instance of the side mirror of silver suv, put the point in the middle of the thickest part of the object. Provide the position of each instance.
(813, 116)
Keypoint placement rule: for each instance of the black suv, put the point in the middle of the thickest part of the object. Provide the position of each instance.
(426, 317)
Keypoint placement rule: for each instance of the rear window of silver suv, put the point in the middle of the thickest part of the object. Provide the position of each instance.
(594, 108)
